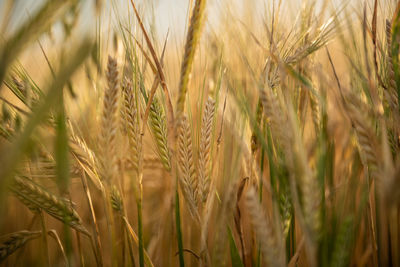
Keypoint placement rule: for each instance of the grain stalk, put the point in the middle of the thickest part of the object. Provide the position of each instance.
(109, 131)
(131, 118)
(192, 39)
(109, 125)
(96, 242)
(187, 171)
(270, 246)
(159, 129)
(40, 199)
(205, 149)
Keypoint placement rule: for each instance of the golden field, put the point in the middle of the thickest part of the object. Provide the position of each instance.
(200, 133)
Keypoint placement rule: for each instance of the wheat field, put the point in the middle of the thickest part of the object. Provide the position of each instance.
(200, 133)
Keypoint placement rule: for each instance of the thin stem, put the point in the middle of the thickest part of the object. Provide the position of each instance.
(178, 227)
(96, 236)
(45, 241)
(140, 228)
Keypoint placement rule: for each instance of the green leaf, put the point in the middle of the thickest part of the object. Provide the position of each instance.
(235, 257)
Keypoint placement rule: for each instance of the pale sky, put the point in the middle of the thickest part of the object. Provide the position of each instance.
(169, 14)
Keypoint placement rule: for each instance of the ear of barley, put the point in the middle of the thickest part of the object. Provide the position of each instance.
(311, 202)
(12, 242)
(315, 110)
(38, 198)
(116, 200)
(186, 165)
(298, 166)
(85, 157)
(23, 91)
(192, 40)
(285, 208)
(204, 150)
(82, 151)
(366, 138)
(271, 248)
(276, 118)
(158, 127)
(109, 125)
(131, 120)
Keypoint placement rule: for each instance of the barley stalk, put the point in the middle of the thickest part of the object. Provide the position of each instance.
(186, 165)
(225, 212)
(109, 125)
(116, 200)
(315, 109)
(366, 138)
(276, 117)
(130, 116)
(192, 40)
(85, 157)
(38, 198)
(270, 247)
(204, 150)
(159, 129)
(298, 166)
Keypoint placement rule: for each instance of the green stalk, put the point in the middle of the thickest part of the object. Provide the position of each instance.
(261, 195)
(62, 162)
(140, 226)
(178, 227)
(45, 241)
